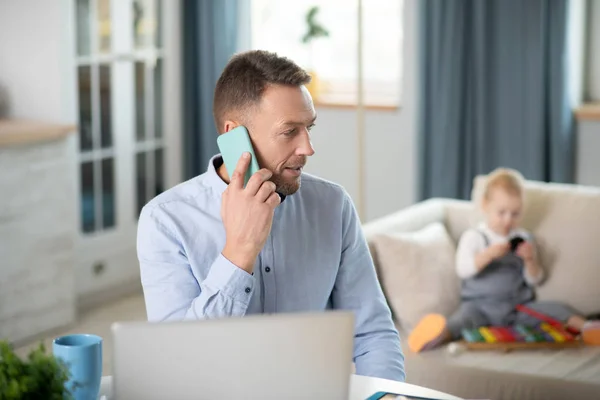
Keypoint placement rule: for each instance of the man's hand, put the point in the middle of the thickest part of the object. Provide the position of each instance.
(247, 214)
(491, 253)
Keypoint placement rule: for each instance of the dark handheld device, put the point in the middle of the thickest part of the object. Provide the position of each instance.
(515, 242)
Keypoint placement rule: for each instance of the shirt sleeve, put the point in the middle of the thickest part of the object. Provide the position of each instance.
(469, 245)
(377, 350)
(171, 291)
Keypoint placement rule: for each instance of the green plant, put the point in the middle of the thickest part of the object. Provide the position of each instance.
(41, 376)
(315, 29)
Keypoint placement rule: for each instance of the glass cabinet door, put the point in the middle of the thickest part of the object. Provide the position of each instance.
(122, 57)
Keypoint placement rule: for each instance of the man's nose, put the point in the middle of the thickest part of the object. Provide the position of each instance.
(305, 147)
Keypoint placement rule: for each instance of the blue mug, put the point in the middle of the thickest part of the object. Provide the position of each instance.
(83, 355)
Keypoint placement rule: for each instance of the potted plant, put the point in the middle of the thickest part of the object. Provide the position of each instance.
(40, 376)
(314, 31)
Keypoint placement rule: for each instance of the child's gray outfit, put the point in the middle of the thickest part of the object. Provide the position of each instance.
(489, 298)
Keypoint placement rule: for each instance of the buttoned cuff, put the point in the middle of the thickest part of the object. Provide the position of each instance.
(231, 280)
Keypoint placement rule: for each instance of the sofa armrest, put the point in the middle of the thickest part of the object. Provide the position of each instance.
(412, 218)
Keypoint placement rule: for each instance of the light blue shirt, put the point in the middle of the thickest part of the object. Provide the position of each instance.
(315, 258)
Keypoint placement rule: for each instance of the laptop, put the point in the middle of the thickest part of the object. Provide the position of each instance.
(276, 356)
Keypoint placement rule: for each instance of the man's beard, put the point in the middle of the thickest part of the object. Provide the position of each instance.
(284, 186)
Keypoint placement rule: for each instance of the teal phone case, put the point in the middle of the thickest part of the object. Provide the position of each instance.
(232, 145)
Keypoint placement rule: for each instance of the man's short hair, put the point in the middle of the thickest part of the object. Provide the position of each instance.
(246, 77)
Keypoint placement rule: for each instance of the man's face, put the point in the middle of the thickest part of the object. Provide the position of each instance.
(280, 131)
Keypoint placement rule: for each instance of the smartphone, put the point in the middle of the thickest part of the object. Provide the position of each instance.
(515, 242)
(232, 145)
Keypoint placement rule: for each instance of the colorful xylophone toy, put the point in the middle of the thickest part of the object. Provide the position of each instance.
(543, 335)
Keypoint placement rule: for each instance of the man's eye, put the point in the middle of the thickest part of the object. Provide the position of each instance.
(290, 132)
(310, 127)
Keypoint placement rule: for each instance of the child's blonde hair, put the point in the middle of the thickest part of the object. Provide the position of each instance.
(507, 179)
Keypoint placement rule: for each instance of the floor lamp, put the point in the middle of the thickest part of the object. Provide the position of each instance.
(360, 117)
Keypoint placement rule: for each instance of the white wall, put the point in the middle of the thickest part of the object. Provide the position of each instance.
(391, 141)
(34, 58)
(587, 162)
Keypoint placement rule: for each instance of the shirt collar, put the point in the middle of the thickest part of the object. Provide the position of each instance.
(213, 177)
(215, 180)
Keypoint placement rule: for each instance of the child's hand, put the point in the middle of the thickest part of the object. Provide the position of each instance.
(526, 251)
(498, 250)
(485, 257)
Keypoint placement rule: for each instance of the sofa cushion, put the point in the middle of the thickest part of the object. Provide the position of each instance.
(565, 222)
(416, 271)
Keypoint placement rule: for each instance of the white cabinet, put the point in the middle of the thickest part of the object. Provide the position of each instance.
(37, 229)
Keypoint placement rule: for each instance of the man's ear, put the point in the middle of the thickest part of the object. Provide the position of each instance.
(229, 125)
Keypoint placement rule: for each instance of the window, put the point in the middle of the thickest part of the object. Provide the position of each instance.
(280, 25)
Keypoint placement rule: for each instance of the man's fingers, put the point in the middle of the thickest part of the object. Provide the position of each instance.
(274, 200)
(237, 178)
(257, 180)
(266, 189)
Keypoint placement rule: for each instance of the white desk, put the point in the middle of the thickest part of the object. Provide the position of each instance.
(361, 387)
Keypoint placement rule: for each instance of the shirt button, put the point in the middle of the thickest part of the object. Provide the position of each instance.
(248, 290)
(268, 269)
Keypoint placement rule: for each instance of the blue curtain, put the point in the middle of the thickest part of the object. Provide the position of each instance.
(493, 92)
(209, 40)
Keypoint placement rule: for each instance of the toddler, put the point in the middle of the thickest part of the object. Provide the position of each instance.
(496, 279)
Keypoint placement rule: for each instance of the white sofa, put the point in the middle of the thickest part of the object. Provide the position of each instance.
(565, 220)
